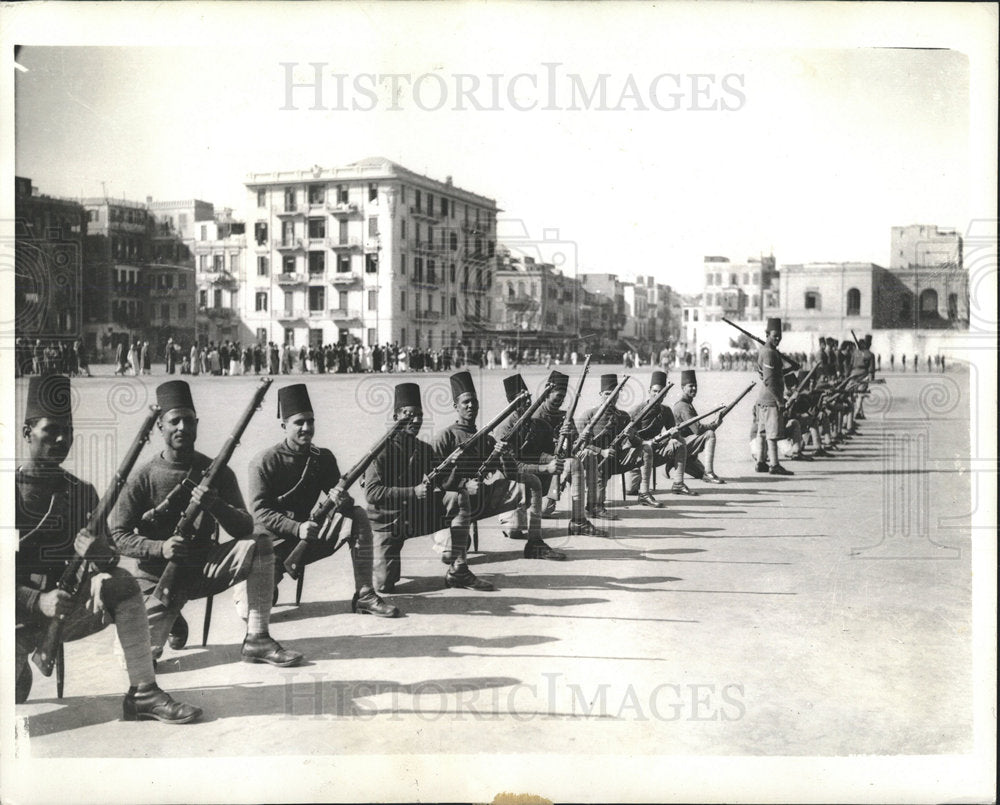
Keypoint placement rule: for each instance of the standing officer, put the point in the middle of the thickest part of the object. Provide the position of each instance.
(147, 513)
(772, 397)
(401, 504)
(699, 437)
(52, 507)
(286, 481)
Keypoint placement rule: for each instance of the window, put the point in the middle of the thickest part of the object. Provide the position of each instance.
(756, 278)
(430, 271)
(203, 298)
(813, 301)
(454, 306)
(451, 272)
(372, 191)
(344, 264)
(402, 301)
(444, 207)
(263, 266)
(732, 279)
(402, 335)
(317, 262)
(217, 298)
(260, 302)
(260, 233)
(289, 300)
(290, 199)
(182, 282)
(430, 203)
(218, 262)
(928, 302)
(453, 241)
(696, 315)
(290, 336)
(342, 233)
(854, 302)
(182, 310)
(418, 269)
(373, 226)
(687, 314)
(317, 298)
(203, 262)
(718, 279)
(204, 232)
(288, 264)
(342, 300)
(402, 229)
(317, 228)
(317, 194)
(371, 263)
(165, 313)
(402, 264)
(371, 337)
(373, 300)
(341, 193)
(419, 201)
(708, 279)
(234, 262)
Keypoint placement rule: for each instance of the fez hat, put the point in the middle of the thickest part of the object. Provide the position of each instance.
(293, 400)
(461, 382)
(773, 325)
(559, 380)
(658, 378)
(48, 396)
(845, 344)
(867, 341)
(609, 382)
(174, 394)
(407, 394)
(688, 376)
(513, 385)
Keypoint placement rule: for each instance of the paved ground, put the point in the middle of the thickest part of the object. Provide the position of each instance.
(824, 614)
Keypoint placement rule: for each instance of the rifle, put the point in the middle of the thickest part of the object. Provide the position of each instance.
(587, 434)
(185, 529)
(800, 387)
(734, 403)
(681, 425)
(512, 434)
(73, 581)
(562, 443)
(856, 342)
(633, 424)
(465, 447)
(792, 364)
(332, 519)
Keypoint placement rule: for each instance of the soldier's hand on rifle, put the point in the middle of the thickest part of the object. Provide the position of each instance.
(555, 466)
(55, 604)
(566, 429)
(340, 498)
(608, 453)
(95, 603)
(175, 548)
(421, 490)
(207, 498)
(472, 486)
(308, 530)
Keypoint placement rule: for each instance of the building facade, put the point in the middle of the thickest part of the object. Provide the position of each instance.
(50, 237)
(368, 253)
(740, 291)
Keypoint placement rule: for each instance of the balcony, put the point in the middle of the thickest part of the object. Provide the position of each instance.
(342, 209)
(219, 313)
(372, 245)
(291, 279)
(291, 315)
(224, 279)
(340, 314)
(345, 277)
(290, 244)
(428, 315)
(426, 215)
(163, 293)
(349, 245)
(289, 212)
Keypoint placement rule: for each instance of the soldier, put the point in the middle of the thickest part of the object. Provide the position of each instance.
(604, 432)
(772, 396)
(535, 449)
(699, 437)
(862, 369)
(641, 459)
(504, 491)
(286, 481)
(402, 505)
(52, 507)
(148, 511)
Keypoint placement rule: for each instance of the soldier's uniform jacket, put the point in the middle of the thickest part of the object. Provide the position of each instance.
(536, 438)
(389, 481)
(286, 483)
(654, 422)
(772, 391)
(49, 511)
(149, 486)
(862, 363)
(683, 411)
(459, 433)
(611, 424)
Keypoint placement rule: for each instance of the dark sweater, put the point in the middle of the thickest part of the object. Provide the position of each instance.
(277, 471)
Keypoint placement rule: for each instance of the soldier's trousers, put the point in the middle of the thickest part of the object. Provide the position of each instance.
(359, 542)
(387, 540)
(639, 463)
(500, 497)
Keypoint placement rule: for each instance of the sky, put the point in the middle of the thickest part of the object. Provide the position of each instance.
(811, 153)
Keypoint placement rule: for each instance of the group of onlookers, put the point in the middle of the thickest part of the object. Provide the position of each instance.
(55, 356)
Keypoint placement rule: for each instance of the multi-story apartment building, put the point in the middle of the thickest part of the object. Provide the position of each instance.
(369, 252)
(740, 291)
(223, 281)
(536, 305)
(48, 264)
(119, 244)
(663, 312)
(172, 303)
(635, 329)
(182, 218)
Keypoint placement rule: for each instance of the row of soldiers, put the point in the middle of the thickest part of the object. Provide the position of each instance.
(168, 513)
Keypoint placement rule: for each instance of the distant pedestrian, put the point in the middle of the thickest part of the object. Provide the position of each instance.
(942, 363)
(195, 363)
(144, 359)
(916, 363)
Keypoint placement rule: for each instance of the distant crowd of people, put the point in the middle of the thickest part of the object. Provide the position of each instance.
(64, 357)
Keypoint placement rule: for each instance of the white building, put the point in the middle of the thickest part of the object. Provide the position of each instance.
(366, 253)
